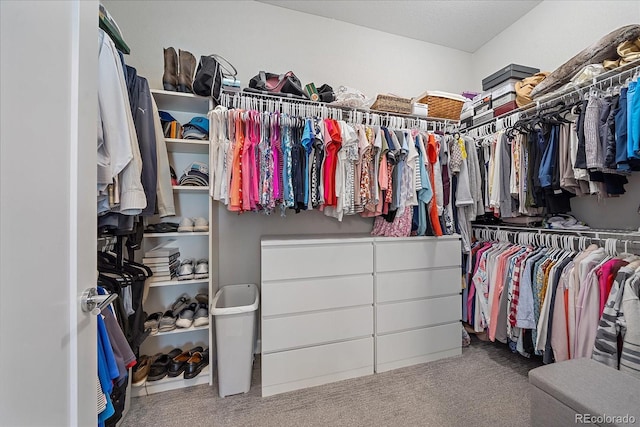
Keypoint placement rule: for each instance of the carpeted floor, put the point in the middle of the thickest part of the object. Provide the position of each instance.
(486, 386)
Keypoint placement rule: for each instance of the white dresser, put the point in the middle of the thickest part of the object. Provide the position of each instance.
(341, 307)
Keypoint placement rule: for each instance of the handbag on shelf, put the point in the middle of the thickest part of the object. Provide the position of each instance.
(211, 70)
(278, 83)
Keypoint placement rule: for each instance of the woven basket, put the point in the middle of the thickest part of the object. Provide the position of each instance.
(442, 106)
(392, 104)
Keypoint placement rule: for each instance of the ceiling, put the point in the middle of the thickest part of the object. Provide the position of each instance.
(463, 25)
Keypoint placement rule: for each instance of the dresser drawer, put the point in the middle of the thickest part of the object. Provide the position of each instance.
(297, 296)
(418, 346)
(404, 285)
(399, 316)
(408, 255)
(295, 262)
(280, 333)
(308, 367)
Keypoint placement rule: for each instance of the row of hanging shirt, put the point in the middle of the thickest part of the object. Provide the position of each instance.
(540, 163)
(263, 161)
(556, 301)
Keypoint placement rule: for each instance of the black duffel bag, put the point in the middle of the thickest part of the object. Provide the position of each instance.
(208, 79)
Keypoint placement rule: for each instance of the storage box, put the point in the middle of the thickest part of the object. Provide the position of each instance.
(504, 99)
(503, 109)
(419, 109)
(234, 309)
(442, 105)
(482, 106)
(511, 71)
(503, 88)
(392, 104)
(482, 118)
(466, 123)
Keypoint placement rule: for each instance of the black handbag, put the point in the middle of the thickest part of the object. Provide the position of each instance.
(208, 79)
(278, 83)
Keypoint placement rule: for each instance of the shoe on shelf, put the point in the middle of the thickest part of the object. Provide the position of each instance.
(185, 271)
(152, 322)
(201, 318)
(179, 363)
(186, 225)
(162, 227)
(160, 365)
(180, 303)
(185, 319)
(141, 371)
(186, 71)
(196, 363)
(202, 269)
(200, 224)
(168, 322)
(170, 75)
(202, 298)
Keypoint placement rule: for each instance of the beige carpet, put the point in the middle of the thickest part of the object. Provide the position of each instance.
(486, 386)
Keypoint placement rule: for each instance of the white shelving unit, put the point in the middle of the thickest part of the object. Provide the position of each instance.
(191, 202)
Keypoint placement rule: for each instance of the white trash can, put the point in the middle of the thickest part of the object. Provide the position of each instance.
(235, 310)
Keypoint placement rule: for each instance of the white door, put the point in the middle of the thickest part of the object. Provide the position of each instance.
(47, 212)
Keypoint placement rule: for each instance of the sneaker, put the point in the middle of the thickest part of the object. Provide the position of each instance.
(202, 269)
(185, 319)
(185, 271)
(186, 225)
(200, 224)
(168, 322)
(152, 322)
(201, 318)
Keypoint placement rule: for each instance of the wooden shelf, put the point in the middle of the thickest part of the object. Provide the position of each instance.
(168, 383)
(191, 146)
(181, 330)
(179, 101)
(177, 282)
(190, 188)
(177, 234)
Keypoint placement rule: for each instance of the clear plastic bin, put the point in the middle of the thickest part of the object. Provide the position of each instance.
(235, 310)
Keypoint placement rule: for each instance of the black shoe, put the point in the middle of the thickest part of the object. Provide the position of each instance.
(160, 365)
(179, 363)
(196, 363)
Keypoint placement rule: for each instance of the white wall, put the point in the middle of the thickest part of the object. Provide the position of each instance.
(255, 36)
(552, 33)
(546, 37)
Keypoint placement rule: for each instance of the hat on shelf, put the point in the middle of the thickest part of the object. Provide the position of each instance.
(197, 174)
(197, 128)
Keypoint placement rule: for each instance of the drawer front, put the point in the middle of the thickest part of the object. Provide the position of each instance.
(404, 285)
(320, 361)
(418, 343)
(294, 262)
(407, 255)
(417, 314)
(282, 333)
(316, 294)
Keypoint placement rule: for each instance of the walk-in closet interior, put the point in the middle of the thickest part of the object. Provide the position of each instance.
(358, 213)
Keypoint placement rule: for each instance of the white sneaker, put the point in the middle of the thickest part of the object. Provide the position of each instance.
(186, 225)
(185, 271)
(202, 269)
(200, 224)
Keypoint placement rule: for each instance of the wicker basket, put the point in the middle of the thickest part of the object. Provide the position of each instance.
(442, 105)
(392, 104)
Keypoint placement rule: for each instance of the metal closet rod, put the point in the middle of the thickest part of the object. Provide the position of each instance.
(634, 235)
(382, 114)
(609, 78)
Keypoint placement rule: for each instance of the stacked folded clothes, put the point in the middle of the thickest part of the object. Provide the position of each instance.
(565, 222)
(197, 174)
(197, 128)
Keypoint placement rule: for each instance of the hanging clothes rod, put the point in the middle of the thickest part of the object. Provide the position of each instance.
(608, 79)
(228, 98)
(634, 235)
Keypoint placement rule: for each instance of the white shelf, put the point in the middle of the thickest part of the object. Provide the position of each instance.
(168, 383)
(182, 330)
(177, 234)
(190, 188)
(179, 101)
(177, 282)
(187, 146)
